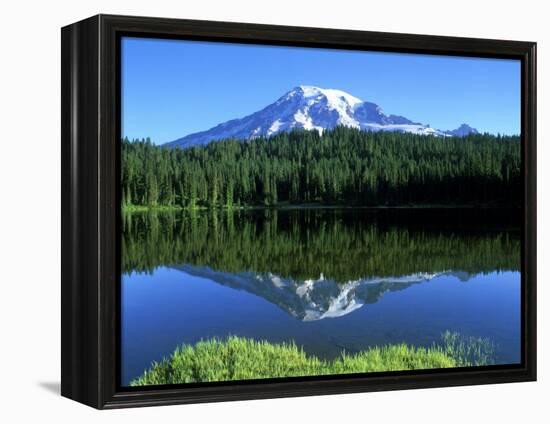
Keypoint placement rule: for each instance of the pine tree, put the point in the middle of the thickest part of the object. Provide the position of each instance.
(152, 190)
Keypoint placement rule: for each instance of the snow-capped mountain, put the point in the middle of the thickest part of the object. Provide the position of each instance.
(313, 108)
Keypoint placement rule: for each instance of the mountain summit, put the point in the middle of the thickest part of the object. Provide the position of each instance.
(313, 108)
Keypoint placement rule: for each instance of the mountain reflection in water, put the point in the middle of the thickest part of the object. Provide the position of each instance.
(329, 280)
(310, 300)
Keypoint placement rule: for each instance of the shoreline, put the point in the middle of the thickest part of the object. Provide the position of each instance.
(312, 206)
(250, 359)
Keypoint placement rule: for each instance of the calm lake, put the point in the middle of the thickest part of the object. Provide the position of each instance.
(331, 280)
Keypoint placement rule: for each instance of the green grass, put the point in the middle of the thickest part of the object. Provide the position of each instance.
(243, 359)
(467, 350)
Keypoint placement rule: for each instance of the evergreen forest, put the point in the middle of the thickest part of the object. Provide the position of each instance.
(343, 166)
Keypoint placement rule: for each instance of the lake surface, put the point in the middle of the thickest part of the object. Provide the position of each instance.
(330, 280)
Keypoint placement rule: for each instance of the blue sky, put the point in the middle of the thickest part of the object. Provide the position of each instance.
(171, 88)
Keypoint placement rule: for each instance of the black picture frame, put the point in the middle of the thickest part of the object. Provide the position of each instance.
(90, 236)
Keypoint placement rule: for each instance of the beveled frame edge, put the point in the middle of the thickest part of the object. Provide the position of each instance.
(90, 208)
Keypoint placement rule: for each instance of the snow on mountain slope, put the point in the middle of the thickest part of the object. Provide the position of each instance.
(313, 108)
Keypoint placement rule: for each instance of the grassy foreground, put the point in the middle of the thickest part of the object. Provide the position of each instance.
(244, 359)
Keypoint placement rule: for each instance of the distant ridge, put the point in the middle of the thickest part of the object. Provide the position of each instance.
(314, 108)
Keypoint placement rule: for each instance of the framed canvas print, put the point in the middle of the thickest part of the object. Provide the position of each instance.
(255, 211)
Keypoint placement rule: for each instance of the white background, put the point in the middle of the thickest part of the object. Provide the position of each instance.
(30, 210)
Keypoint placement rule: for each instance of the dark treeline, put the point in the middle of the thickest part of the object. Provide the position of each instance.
(343, 166)
(302, 244)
